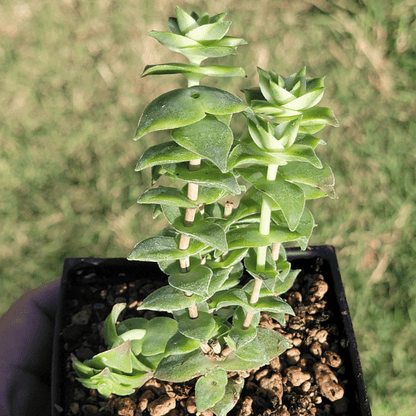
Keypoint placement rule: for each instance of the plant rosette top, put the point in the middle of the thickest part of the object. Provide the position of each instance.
(214, 331)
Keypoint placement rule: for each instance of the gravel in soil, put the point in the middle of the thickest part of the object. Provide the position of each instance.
(310, 378)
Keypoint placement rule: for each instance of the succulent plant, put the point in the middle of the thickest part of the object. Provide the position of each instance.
(214, 333)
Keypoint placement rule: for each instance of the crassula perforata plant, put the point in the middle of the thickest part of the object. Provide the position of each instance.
(214, 332)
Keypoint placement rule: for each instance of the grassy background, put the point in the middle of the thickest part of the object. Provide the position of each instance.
(70, 98)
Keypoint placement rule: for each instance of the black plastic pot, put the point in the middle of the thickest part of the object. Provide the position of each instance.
(111, 271)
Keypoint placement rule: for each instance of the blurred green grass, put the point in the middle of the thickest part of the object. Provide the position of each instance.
(71, 95)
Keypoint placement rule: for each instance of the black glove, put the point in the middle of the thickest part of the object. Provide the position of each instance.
(26, 333)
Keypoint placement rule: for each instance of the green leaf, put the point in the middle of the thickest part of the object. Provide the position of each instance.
(305, 227)
(209, 138)
(287, 195)
(226, 278)
(201, 229)
(163, 248)
(267, 273)
(217, 18)
(306, 174)
(287, 132)
(232, 42)
(265, 79)
(173, 25)
(219, 277)
(109, 330)
(232, 297)
(208, 175)
(306, 101)
(273, 304)
(301, 153)
(156, 173)
(183, 367)
(196, 281)
(239, 317)
(194, 70)
(185, 21)
(168, 299)
(223, 47)
(273, 343)
(207, 195)
(252, 351)
(164, 153)
(158, 332)
(233, 257)
(132, 324)
(309, 140)
(204, 19)
(179, 344)
(151, 361)
(166, 196)
(283, 287)
(250, 153)
(106, 384)
(213, 31)
(261, 132)
(250, 236)
(133, 329)
(240, 337)
(199, 328)
(172, 266)
(278, 113)
(210, 389)
(249, 204)
(181, 107)
(135, 380)
(173, 41)
(231, 397)
(82, 369)
(119, 358)
(319, 115)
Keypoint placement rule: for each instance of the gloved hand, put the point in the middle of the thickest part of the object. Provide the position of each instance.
(26, 333)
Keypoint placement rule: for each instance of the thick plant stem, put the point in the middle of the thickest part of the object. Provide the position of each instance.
(189, 216)
(193, 196)
(189, 220)
(275, 251)
(184, 241)
(264, 228)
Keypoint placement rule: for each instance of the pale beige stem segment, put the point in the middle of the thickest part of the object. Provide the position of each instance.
(256, 292)
(184, 242)
(226, 351)
(193, 311)
(275, 251)
(189, 216)
(185, 239)
(253, 300)
(206, 349)
(228, 209)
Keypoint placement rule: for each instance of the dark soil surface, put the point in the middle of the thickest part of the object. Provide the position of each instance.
(311, 378)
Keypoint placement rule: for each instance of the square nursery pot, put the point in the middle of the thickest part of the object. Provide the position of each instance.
(91, 286)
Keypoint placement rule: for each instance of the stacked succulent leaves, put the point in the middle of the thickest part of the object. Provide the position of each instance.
(215, 332)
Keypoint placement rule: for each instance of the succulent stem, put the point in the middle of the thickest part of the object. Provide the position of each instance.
(189, 220)
(275, 251)
(264, 228)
